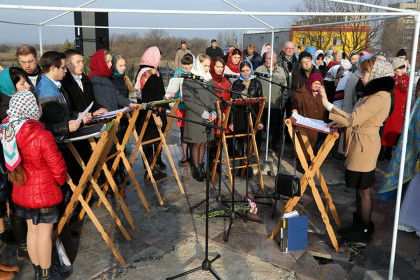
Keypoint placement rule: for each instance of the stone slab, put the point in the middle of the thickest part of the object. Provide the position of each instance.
(378, 275)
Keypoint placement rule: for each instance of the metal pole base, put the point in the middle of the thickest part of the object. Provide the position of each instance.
(206, 266)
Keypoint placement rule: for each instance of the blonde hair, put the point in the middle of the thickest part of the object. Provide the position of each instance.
(367, 65)
(202, 57)
(126, 79)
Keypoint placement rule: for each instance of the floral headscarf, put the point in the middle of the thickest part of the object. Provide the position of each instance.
(233, 67)
(22, 107)
(381, 69)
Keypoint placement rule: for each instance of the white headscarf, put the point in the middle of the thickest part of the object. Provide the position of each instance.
(332, 73)
(315, 57)
(198, 70)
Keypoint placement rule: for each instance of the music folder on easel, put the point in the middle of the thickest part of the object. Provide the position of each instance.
(85, 132)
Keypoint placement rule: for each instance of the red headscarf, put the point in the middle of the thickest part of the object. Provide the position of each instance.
(98, 65)
(216, 77)
(233, 67)
(331, 64)
(313, 78)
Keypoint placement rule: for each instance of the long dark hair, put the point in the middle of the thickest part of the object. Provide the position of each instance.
(16, 74)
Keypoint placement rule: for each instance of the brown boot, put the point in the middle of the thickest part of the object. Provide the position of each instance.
(14, 268)
(6, 275)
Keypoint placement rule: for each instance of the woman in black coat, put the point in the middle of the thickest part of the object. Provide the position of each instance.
(252, 88)
(149, 87)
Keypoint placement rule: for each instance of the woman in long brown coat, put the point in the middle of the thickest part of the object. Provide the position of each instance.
(363, 142)
(308, 103)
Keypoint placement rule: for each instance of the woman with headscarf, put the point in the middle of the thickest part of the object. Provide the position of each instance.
(331, 81)
(338, 56)
(318, 62)
(12, 80)
(37, 169)
(217, 67)
(328, 57)
(201, 106)
(149, 87)
(250, 86)
(306, 69)
(232, 65)
(104, 90)
(363, 142)
(186, 64)
(308, 103)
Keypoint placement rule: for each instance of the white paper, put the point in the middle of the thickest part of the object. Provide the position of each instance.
(292, 214)
(82, 115)
(110, 114)
(173, 86)
(316, 124)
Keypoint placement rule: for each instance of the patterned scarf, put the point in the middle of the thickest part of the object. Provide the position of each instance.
(22, 107)
(149, 61)
(381, 69)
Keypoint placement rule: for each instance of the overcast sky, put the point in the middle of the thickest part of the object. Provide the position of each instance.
(29, 34)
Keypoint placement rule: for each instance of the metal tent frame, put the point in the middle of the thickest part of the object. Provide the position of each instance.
(390, 13)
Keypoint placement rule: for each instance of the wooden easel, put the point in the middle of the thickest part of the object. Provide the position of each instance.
(162, 143)
(100, 148)
(253, 144)
(308, 179)
(102, 167)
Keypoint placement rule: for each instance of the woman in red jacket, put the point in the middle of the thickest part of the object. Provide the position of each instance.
(217, 68)
(36, 169)
(394, 124)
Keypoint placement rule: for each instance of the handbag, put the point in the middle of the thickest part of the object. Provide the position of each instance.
(286, 184)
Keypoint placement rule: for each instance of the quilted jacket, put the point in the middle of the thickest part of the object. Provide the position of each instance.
(44, 167)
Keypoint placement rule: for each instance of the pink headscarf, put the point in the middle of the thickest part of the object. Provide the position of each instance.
(151, 58)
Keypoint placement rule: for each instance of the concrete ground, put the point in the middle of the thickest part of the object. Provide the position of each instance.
(170, 239)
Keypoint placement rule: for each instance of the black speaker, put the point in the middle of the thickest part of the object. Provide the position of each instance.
(89, 40)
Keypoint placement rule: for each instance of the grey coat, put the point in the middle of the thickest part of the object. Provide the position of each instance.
(107, 94)
(350, 96)
(278, 96)
(199, 102)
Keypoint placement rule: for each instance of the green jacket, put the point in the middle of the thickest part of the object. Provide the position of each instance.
(277, 95)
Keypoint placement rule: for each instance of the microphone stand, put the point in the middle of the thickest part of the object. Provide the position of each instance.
(233, 214)
(206, 264)
(275, 195)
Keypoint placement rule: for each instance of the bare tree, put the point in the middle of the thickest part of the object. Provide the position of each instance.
(353, 36)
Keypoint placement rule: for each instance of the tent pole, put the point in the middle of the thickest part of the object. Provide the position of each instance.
(269, 97)
(404, 147)
(40, 39)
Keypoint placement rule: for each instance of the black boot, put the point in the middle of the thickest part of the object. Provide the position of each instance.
(381, 156)
(159, 163)
(157, 175)
(20, 229)
(360, 236)
(53, 274)
(355, 225)
(198, 173)
(37, 269)
(388, 153)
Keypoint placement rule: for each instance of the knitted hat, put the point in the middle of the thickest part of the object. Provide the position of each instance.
(304, 54)
(397, 62)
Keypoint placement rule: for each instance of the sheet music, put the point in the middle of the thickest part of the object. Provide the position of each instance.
(316, 124)
(173, 86)
(82, 115)
(110, 114)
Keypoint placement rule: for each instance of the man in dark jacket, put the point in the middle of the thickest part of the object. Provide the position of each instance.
(78, 86)
(252, 56)
(214, 50)
(28, 60)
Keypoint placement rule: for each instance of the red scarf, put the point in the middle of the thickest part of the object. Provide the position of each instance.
(216, 77)
(313, 78)
(233, 67)
(98, 65)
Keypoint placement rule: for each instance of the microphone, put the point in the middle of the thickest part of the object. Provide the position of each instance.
(147, 106)
(230, 76)
(189, 76)
(258, 74)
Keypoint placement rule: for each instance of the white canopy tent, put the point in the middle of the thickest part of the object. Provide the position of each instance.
(391, 13)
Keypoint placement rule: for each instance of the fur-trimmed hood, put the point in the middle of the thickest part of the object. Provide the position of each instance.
(380, 84)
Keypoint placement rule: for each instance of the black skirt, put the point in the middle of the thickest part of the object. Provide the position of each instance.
(359, 180)
(46, 215)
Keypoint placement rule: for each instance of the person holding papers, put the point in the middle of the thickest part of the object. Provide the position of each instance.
(149, 87)
(308, 103)
(363, 141)
(104, 90)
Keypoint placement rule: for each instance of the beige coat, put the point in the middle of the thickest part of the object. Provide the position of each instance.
(363, 142)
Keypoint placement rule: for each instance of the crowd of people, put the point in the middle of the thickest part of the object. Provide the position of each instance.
(43, 98)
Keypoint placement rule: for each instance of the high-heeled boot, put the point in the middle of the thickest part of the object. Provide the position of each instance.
(20, 229)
